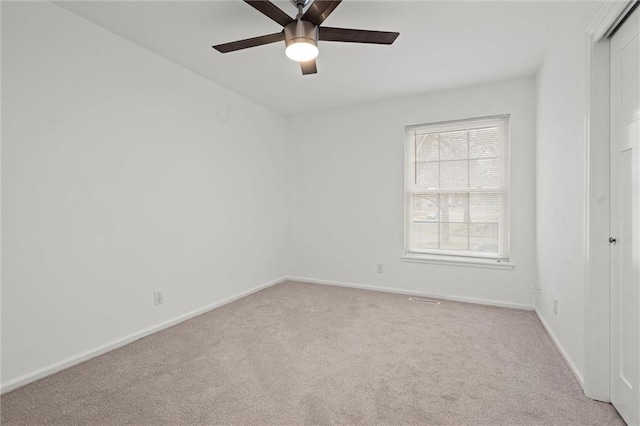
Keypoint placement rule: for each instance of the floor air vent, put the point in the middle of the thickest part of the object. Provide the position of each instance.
(421, 300)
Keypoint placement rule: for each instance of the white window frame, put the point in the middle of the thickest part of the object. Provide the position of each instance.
(459, 257)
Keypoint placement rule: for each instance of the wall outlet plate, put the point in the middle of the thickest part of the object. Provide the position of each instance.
(158, 297)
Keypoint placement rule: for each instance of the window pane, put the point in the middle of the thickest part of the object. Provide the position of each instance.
(453, 145)
(484, 207)
(427, 147)
(456, 187)
(454, 236)
(484, 173)
(425, 208)
(483, 142)
(454, 175)
(425, 236)
(454, 207)
(427, 175)
(483, 237)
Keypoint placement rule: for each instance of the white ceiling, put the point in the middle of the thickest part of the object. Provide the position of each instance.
(442, 44)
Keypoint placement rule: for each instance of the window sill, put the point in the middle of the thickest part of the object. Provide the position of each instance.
(458, 261)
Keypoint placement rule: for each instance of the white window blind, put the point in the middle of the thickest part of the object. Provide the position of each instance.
(457, 192)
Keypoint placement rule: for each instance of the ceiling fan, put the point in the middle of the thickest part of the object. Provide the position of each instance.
(301, 35)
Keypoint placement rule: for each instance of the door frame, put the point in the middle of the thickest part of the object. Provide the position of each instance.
(597, 297)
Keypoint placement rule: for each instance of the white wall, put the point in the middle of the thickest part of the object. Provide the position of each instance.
(347, 200)
(122, 173)
(561, 184)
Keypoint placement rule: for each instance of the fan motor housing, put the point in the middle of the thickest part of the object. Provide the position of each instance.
(301, 31)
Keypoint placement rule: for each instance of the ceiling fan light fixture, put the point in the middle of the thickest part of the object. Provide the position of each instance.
(302, 50)
(301, 34)
(301, 38)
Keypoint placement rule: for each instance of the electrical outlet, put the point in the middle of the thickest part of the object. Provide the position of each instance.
(379, 268)
(555, 306)
(158, 297)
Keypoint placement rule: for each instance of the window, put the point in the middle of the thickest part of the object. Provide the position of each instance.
(457, 192)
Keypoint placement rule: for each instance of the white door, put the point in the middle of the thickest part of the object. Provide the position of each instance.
(625, 219)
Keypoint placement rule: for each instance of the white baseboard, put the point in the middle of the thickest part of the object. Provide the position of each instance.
(84, 356)
(416, 293)
(563, 352)
(77, 359)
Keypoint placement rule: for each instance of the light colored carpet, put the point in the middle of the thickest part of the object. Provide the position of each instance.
(309, 354)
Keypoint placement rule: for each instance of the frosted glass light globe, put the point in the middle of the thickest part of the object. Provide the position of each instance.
(302, 51)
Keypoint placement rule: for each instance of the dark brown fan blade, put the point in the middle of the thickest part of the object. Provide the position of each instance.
(309, 67)
(356, 36)
(271, 10)
(249, 42)
(319, 10)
